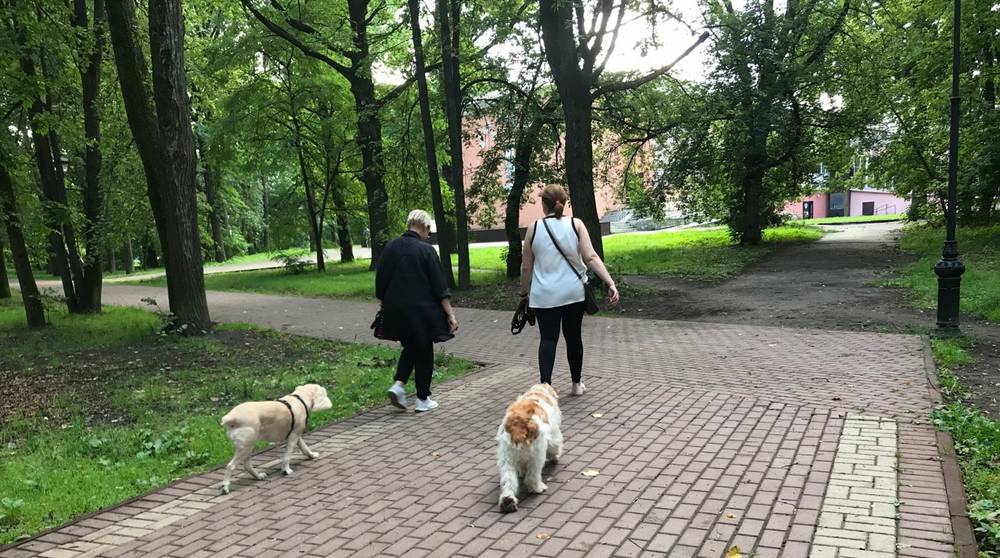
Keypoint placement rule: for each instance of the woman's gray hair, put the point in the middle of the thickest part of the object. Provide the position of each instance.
(418, 217)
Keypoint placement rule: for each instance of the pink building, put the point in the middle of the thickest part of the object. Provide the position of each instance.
(482, 137)
(847, 204)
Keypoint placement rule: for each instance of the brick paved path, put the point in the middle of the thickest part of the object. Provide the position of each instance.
(782, 442)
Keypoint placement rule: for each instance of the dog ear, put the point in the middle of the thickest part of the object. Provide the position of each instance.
(551, 390)
(521, 427)
(320, 400)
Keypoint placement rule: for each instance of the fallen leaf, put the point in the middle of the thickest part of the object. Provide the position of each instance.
(542, 536)
(590, 472)
(730, 515)
(435, 454)
(597, 415)
(734, 552)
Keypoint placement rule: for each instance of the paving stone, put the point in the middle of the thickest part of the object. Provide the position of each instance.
(710, 436)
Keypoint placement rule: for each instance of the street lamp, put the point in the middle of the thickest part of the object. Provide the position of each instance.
(950, 269)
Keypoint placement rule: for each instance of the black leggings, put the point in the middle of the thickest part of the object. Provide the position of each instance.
(570, 317)
(419, 356)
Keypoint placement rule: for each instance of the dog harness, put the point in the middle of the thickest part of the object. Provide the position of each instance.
(290, 412)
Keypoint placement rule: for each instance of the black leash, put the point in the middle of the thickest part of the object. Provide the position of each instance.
(292, 413)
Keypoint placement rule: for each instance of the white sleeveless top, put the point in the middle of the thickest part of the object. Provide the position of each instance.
(553, 282)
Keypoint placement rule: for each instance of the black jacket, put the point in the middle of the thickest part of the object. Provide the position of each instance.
(410, 283)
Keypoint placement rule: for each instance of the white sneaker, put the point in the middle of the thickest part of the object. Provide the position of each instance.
(424, 405)
(578, 388)
(397, 396)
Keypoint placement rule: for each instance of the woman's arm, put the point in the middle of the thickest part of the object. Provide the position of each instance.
(440, 288)
(593, 261)
(452, 322)
(527, 262)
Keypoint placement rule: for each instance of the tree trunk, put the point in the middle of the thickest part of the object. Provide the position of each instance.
(443, 229)
(33, 309)
(53, 192)
(112, 258)
(315, 229)
(449, 12)
(170, 96)
(369, 138)
(4, 280)
(753, 181)
(266, 203)
(573, 85)
(209, 179)
(523, 149)
(133, 76)
(151, 259)
(343, 227)
(580, 166)
(129, 258)
(166, 147)
(89, 293)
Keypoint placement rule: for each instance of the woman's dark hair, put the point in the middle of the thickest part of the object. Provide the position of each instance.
(554, 198)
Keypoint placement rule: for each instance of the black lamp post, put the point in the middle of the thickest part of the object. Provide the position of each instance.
(950, 269)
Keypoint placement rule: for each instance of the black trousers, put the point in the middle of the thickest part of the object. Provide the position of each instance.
(417, 356)
(570, 319)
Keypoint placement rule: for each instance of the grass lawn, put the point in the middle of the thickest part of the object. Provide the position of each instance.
(853, 219)
(977, 443)
(707, 254)
(97, 409)
(341, 280)
(980, 252)
(259, 257)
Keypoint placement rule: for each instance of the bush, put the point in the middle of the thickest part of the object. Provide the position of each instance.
(977, 443)
(293, 263)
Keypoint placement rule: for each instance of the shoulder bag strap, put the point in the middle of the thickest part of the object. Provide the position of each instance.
(563, 254)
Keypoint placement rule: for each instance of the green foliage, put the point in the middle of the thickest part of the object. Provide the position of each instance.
(910, 63)
(977, 443)
(950, 354)
(292, 262)
(980, 252)
(754, 134)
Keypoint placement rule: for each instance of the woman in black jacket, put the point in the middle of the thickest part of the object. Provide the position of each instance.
(416, 307)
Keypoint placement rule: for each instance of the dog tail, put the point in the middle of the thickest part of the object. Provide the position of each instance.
(228, 421)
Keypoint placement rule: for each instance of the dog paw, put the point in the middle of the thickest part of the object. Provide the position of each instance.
(225, 489)
(312, 455)
(508, 504)
(286, 471)
(261, 476)
(541, 487)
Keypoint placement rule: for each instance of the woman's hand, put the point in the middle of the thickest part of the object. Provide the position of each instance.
(452, 323)
(613, 296)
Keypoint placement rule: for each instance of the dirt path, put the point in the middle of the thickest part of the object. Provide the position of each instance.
(831, 284)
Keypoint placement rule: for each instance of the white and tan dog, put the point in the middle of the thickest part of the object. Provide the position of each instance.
(272, 421)
(528, 438)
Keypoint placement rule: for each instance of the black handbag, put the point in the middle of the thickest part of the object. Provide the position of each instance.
(590, 302)
(523, 315)
(378, 327)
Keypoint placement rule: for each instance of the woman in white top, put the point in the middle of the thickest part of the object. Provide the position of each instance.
(554, 287)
